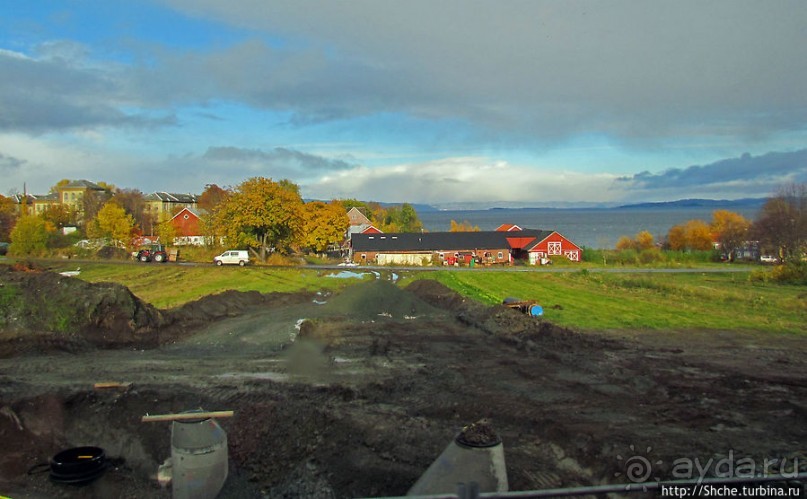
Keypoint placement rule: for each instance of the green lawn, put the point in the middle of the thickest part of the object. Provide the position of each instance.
(582, 299)
(168, 286)
(598, 301)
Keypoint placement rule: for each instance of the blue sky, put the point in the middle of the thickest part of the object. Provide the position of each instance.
(527, 102)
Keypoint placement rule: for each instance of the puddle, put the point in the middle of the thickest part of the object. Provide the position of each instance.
(270, 376)
(349, 274)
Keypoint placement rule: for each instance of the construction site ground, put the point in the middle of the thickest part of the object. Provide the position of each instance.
(355, 394)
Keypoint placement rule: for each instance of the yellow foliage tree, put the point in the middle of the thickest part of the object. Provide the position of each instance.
(625, 243)
(644, 240)
(464, 226)
(29, 236)
(112, 223)
(731, 230)
(261, 213)
(323, 224)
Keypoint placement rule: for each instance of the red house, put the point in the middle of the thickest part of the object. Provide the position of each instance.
(187, 227)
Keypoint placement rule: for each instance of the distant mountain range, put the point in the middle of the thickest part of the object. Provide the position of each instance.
(703, 203)
(681, 203)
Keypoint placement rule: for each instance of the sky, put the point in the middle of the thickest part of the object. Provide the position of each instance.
(460, 103)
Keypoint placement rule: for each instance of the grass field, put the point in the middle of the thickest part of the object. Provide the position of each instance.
(168, 286)
(589, 300)
(580, 299)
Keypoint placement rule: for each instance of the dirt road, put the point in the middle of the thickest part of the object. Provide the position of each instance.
(356, 394)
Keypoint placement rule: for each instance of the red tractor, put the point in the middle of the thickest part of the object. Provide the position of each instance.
(154, 252)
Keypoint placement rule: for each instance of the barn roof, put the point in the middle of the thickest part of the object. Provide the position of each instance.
(446, 241)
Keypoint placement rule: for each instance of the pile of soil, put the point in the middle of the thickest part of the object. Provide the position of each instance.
(51, 309)
(390, 392)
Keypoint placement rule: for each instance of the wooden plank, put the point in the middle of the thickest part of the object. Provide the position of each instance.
(111, 384)
(186, 415)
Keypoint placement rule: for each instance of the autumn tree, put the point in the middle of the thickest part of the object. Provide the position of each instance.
(211, 197)
(166, 229)
(641, 241)
(323, 224)
(134, 203)
(782, 223)
(29, 236)
(61, 183)
(261, 213)
(731, 231)
(59, 215)
(8, 217)
(113, 223)
(693, 235)
(92, 202)
(464, 226)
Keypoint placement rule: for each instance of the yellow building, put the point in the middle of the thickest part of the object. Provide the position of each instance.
(162, 204)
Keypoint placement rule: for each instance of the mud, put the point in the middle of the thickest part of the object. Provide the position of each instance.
(356, 394)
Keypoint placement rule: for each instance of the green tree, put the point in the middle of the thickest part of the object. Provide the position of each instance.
(29, 236)
(262, 214)
(113, 223)
(324, 224)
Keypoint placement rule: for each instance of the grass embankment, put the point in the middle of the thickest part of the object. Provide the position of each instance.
(661, 301)
(168, 286)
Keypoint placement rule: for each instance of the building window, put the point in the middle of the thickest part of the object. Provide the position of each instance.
(500, 255)
(186, 216)
(364, 256)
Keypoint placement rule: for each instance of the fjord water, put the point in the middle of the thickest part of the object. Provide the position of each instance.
(592, 228)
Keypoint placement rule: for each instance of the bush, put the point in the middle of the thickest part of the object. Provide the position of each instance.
(790, 273)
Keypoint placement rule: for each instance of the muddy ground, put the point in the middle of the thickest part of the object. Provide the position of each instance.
(356, 394)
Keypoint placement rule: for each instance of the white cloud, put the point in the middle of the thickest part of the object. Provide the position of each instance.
(464, 179)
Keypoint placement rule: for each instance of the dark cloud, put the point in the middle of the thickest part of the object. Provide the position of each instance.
(40, 95)
(759, 173)
(539, 69)
(10, 163)
(279, 157)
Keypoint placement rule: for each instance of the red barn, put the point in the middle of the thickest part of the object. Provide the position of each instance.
(554, 244)
(188, 231)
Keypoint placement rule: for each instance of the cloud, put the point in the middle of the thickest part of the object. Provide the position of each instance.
(531, 69)
(60, 92)
(746, 175)
(10, 163)
(293, 163)
(463, 179)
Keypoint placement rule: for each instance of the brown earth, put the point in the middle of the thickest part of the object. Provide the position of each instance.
(356, 394)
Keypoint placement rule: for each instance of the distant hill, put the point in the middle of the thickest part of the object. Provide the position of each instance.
(702, 203)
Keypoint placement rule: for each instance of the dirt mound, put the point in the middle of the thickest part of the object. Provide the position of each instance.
(103, 314)
(229, 304)
(510, 325)
(374, 300)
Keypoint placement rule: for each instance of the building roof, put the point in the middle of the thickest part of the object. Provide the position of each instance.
(508, 227)
(195, 212)
(356, 217)
(446, 241)
(172, 197)
(81, 184)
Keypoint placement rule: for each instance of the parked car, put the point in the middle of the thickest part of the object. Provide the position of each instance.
(768, 259)
(3, 248)
(232, 257)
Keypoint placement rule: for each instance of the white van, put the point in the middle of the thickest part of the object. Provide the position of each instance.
(235, 257)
